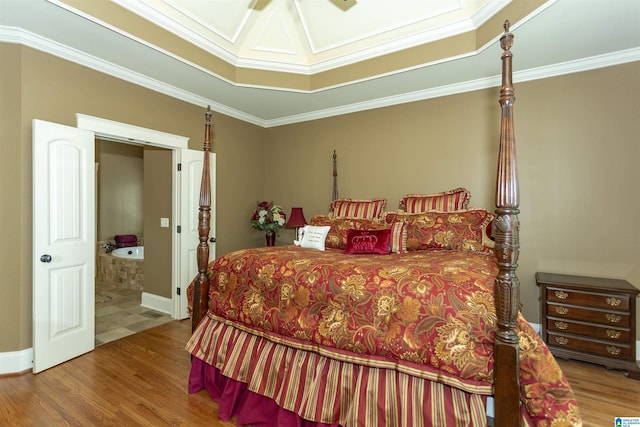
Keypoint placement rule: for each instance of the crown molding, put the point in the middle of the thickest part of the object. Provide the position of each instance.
(34, 41)
(570, 67)
(19, 36)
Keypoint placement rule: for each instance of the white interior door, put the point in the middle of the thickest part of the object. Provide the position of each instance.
(191, 177)
(63, 243)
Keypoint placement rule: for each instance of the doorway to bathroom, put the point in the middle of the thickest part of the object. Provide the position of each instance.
(130, 197)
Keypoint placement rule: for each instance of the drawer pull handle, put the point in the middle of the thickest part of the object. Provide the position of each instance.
(561, 325)
(613, 334)
(562, 340)
(562, 295)
(614, 302)
(614, 351)
(613, 318)
(562, 310)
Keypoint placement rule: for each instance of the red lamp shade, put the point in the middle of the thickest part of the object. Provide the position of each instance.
(296, 218)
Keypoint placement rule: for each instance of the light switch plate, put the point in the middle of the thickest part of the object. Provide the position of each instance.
(164, 222)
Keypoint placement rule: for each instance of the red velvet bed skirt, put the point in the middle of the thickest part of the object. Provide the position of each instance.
(235, 399)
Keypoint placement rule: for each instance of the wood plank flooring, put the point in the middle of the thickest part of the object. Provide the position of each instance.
(602, 394)
(141, 380)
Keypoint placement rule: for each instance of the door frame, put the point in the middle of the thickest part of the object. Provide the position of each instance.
(135, 134)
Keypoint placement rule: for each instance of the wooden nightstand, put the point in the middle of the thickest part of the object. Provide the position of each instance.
(590, 319)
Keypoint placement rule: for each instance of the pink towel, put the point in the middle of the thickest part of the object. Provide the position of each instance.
(126, 240)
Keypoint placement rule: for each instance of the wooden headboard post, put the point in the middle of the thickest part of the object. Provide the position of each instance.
(334, 195)
(201, 286)
(507, 244)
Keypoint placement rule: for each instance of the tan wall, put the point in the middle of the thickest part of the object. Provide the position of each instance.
(15, 304)
(578, 152)
(120, 189)
(158, 167)
(577, 148)
(37, 85)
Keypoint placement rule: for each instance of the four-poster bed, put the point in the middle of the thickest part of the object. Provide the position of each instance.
(407, 338)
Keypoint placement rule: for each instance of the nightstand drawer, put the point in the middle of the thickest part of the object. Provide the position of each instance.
(589, 330)
(611, 350)
(604, 301)
(619, 319)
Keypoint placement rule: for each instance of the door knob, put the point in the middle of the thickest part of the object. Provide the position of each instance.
(45, 258)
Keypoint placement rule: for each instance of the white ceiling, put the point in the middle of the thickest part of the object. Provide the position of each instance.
(309, 37)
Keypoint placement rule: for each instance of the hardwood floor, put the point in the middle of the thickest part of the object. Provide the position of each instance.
(602, 394)
(141, 380)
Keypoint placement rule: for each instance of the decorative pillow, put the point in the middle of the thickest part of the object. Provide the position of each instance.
(399, 237)
(448, 201)
(461, 230)
(359, 209)
(312, 237)
(337, 236)
(368, 241)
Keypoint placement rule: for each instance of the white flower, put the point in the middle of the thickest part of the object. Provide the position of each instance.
(268, 216)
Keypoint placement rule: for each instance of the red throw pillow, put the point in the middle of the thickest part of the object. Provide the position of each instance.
(368, 241)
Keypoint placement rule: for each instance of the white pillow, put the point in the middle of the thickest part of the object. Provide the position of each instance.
(312, 236)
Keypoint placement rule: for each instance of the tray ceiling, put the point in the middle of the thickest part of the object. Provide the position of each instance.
(312, 34)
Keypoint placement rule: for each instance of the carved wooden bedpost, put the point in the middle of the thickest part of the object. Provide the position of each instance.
(334, 195)
(201, 286)
(506, 233)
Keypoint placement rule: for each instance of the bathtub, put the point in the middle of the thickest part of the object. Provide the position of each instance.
(131, 252)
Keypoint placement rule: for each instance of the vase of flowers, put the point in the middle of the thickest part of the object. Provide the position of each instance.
(268, 217)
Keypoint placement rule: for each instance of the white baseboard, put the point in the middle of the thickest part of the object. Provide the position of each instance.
(15, 362)
(158, 303)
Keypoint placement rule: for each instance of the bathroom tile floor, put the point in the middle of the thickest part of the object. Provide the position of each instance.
(119, 313)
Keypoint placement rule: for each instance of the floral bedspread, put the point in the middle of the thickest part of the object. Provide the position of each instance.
(428, 313)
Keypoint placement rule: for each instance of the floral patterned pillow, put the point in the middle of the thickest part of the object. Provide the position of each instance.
(460, 230)
(337, 236)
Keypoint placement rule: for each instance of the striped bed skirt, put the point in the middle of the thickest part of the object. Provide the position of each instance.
(308, 389)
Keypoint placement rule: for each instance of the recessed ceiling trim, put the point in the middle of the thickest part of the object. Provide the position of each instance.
(306, 24)
(409, 42)
(487, 11)
(279, 66)
(274, 65)
(231, 38)
(153, 15)
(310, 65)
